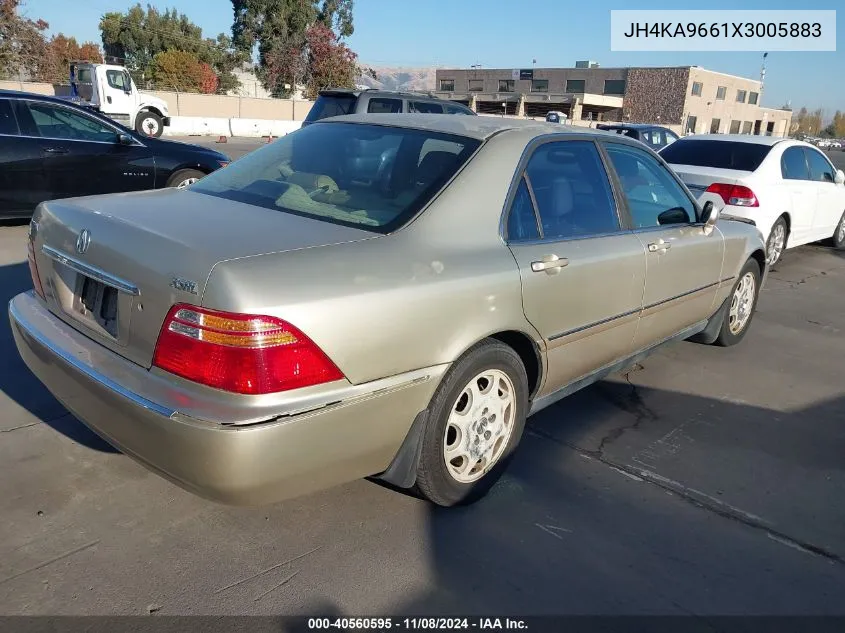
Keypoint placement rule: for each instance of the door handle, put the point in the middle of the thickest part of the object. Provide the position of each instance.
(550, 264)
(54, 150)
(660, 246)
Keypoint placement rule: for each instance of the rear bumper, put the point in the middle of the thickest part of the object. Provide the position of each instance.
(244, 465)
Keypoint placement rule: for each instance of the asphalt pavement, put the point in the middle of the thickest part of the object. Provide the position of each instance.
(705, 481)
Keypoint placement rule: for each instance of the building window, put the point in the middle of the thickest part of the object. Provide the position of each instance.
(697, 87)
(746, 127)
(735, 127)
(714, 126)
(476, 85)
(720, 93)
(740, 96)
(447, 85)
(576, 85)
(753, 98)
(614, 87)
(692, 121)
(539, 85)
(506, 85)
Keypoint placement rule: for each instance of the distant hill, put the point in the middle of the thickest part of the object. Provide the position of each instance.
(416, 79)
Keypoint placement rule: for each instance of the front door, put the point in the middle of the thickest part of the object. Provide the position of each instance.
(81, 154)
(118, 97)
(683, 264)
(830, 203)
(582, 276)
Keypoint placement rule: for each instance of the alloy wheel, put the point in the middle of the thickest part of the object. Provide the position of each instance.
(742, 303)
(479, 426)
(774, 247)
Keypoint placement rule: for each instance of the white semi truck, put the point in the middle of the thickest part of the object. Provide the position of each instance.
(109, 89)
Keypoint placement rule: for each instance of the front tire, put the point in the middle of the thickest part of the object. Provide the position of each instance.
(184, 177)
(839, 234)
(741, 305)
(776, 243)
(475, 422)
(149, 124)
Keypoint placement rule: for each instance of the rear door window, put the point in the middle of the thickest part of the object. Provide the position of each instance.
(720, 154)
(331, 105)
(425, 107)
(793, 166)
(450, 109)
(8, 124)
(384, 106)
(572, 190)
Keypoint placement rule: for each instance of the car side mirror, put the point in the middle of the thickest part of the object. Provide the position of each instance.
(675, 215)
(125, 139)
(710, 215)
(839, 178)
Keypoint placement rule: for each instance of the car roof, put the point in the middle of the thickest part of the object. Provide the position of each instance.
(632, 126)
(478, 127)
(737, 138)
(375, 92)
(18, 94)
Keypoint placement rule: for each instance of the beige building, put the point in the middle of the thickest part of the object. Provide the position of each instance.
(688, 99)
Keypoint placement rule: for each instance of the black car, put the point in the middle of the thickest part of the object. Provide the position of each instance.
(655, 136)
(341, 101)
(51, 149)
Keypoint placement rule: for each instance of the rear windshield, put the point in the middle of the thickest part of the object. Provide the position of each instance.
(624, 131)
(721, 154)
(331, 105)
(366, 176)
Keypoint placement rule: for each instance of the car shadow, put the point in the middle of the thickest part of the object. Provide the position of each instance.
(21, 386)
(573, 528)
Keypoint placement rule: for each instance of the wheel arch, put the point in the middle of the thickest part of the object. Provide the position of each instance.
(147, 107)
(402, 470)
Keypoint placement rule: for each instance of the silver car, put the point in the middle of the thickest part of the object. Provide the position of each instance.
(386, 295)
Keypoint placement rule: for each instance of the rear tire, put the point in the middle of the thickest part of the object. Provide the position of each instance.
(475, 422)
(740, 307)
(776, 242)
(149, 124)
(839, 234)
(184, 177)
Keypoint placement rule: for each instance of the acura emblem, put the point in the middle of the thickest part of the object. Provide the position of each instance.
(83, 241)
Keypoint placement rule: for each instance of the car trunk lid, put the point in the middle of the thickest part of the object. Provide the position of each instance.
(697, 179)
(112, 266)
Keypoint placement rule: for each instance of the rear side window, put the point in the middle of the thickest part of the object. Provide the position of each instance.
(820, 169)
(366, 176)
(8, 124)
(331, 105)
(384, 106)
(793, 166)
(572, 190)
(522, 222)
(426, 107)
(450, 109)
(720, 154)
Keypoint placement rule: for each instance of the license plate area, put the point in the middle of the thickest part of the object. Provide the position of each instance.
(97, 302)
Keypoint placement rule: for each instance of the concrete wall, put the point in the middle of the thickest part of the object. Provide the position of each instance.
(196, 105)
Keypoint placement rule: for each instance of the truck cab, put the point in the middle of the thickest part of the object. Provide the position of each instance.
(109, 89)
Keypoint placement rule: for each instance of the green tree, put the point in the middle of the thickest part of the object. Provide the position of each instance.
(839, 125)
(279, 31)
(23, 47)
(134, 39)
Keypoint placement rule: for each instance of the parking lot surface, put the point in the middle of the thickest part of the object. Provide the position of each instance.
(704, 481)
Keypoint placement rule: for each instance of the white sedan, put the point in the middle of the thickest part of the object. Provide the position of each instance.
(790, 189)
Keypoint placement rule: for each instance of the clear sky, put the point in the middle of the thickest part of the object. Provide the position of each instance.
(510, 33)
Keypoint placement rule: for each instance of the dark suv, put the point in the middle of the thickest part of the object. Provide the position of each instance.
(655, 136)
(331, 103)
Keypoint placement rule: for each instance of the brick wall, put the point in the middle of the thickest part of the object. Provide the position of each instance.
(656, 95)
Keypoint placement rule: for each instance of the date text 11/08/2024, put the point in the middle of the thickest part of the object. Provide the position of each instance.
(416, 624)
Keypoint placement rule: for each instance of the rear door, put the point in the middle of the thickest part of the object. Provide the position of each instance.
(831, 197)
(582, 274)
(81, 155)
(683, 265)
(21, 176)
(799, 188)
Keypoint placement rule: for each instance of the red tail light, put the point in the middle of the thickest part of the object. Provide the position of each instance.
(240, 353)
(735, 195)
(33, 268)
